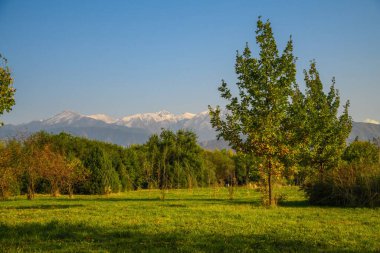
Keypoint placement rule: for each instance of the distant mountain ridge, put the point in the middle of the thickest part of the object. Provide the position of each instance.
(137, 128)
(364, 131)
(79, 125)
(128, 130)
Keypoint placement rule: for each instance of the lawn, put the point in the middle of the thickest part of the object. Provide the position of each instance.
(199, 220)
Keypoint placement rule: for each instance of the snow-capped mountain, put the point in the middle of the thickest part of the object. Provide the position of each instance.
(154, 122)
(73, 119)
(80, 125)
(103, 117)
(124, 131)
(137, 128)
(186, 115)
(155, 117)
(66, 117)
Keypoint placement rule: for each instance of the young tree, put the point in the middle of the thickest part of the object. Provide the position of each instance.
(321, 135)
(30, 164)
(61, 172)
(255, 120)
(6, 89)
(53, 168)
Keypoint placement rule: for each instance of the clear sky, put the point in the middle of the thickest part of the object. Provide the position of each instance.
(126, 57)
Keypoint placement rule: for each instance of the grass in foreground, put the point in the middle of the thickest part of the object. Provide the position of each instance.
(201, 220)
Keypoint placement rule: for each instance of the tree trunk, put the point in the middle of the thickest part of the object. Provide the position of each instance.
(54, 189)
(55, 193)
(30, 194)
(270, 188)
(246, 174)
(321, 171)
(270, 184)
(70, 189)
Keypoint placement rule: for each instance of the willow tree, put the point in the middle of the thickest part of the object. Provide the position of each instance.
(7, 91)
(255, 121)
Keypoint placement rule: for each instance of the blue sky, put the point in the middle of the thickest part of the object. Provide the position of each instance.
(126, 57)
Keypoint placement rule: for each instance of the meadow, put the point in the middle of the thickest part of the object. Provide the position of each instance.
(198, 220)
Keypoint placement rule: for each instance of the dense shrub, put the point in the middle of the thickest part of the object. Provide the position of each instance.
(348, 185)
(362, 152)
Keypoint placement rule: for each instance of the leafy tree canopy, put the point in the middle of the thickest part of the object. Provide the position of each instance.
(7, 91)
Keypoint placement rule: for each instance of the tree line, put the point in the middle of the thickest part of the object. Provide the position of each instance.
(65, 164)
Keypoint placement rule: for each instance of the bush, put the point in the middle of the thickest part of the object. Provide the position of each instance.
(362, 152)
(350, 185)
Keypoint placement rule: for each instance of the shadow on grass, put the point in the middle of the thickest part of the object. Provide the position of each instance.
(173, 205)
(306, 203)
(55, 236)
(295, 203)
(167, 200)
(44, 207)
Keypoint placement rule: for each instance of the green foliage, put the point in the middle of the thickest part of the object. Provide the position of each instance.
(64, 164)
(246, 167)
(224, 166)
(7, 91)
(174, 160)
(362, 152)
(352, 185)
(319, 132)
(256, 120)
(103, 178)
(101, 164)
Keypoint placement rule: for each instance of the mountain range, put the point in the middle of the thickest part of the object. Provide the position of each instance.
(137, 128)
(125, 131)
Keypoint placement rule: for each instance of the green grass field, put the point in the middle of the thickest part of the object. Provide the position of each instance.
(199, 220)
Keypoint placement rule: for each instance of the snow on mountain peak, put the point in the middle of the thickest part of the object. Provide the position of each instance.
(162, 117)
(153, 120)
(65, 116)
(150, 116)
(163, 113)
(186, 115)
(372, 121)
(103, 117)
